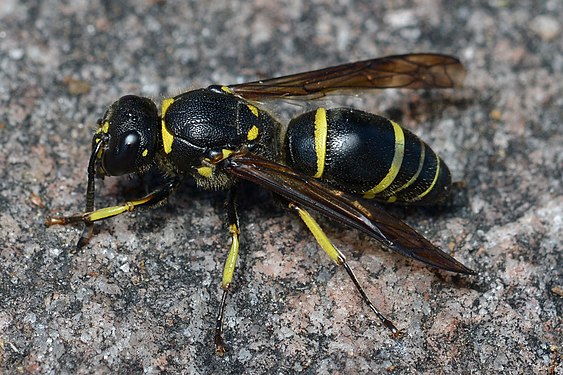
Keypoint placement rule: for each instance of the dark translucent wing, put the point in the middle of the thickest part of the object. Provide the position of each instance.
(414, 71)
(342, 207)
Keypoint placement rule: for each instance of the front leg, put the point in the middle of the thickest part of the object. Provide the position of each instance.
(159, 194)
(229, 269)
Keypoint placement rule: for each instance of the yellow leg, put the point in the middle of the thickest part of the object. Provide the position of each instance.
(231, 261)
(101, 214)
(339, 259)
(88, 218)
(228, 270)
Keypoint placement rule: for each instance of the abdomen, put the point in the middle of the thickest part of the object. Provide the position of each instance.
(366, 154)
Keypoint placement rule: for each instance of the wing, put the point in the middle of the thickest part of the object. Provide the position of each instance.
(342, 207)
(413, 71)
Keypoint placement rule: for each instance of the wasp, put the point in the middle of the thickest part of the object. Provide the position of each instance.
(328, 160)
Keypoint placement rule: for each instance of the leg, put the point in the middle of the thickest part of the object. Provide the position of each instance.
(339, 259)
(229, 269)
(88, 218)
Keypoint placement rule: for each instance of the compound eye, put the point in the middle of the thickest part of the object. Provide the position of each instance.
(122, 153)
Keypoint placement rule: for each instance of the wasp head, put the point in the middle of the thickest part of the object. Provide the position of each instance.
(126, 140)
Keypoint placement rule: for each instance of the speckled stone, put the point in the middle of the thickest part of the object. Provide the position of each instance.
(142, 296)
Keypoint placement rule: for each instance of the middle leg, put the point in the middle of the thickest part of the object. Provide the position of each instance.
(229, 268)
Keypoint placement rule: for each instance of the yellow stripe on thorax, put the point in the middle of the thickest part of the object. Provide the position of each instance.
(227, 89)
(253, 109)
(252, 133)
(167, 137)
(320, 140)
(205, 171)
(395, 164)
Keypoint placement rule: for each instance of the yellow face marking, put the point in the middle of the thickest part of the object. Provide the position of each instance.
(321, 127)
(205, 171)
(103, 128)
(145, 152)
(395, 164)
(252, 133)
(167, 137)
(420, 196)
(253, 109)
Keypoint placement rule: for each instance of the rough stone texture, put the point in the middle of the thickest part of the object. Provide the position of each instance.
(142, 296)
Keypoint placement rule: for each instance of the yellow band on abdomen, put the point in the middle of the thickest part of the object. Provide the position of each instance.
(320, 140)
(395, 164)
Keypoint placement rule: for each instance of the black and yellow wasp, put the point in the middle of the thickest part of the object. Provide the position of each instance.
(326, 160)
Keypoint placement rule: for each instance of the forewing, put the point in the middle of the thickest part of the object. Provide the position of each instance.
(342, 207)
(413, 71)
